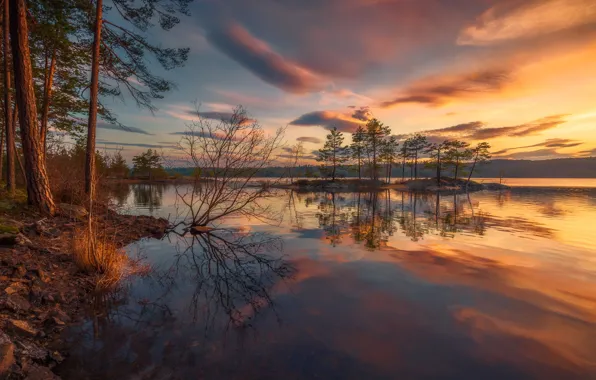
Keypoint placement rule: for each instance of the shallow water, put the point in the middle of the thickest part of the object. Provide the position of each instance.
(357, 285)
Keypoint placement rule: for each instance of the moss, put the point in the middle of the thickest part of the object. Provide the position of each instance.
(5, 229)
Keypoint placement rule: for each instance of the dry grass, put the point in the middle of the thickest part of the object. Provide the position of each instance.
(99, 255)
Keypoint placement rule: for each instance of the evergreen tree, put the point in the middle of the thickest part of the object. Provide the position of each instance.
(147, 163)
(480, 155)
(357, 148)
(376, 132)
(436, 153)
(333, 153)
(457, 153)
(417, 144)
(388, 155)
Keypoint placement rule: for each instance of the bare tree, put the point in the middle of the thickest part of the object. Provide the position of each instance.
(296, 154)
(226, 156)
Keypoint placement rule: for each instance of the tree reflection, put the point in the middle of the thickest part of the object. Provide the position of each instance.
(213, 283)
(232, 272)
(372, 218)
(149, 196)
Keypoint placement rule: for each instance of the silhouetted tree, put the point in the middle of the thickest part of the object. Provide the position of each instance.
(357, 148)
(333, 153)
(458, 153)
(376, 132)
(436, 152)
(417, 144)
(480, 154)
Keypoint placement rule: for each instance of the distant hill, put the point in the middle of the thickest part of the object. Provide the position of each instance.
(555, 168)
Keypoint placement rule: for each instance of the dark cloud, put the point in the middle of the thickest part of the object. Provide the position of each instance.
(535, 154)
(328, 120)
(588, 153)
(255, 55)
(521, 130)
(436, 91)
(114, 127)
(199, 134)
(314, 140)
(477, 130)
(550, 143)
(362, 113)
(139, 145)
(224, 116)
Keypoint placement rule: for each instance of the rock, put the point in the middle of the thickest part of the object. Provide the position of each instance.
(19, 271)
(43, 277)
(200, 229)
(59, 314)
(32, 350)
(15, 287)
(17, 304)
(24, 241)
(8, 239)
(6, 354)
(57, 357)
(72, 211)
(40, 373)
(22, 328)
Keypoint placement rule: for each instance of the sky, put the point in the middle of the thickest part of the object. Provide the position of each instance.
(520, 74)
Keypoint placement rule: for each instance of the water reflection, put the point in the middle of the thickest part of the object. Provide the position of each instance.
(372, 218)
(376, 285)
(163, 323)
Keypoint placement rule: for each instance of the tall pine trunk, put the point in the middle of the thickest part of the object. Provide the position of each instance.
(439, 168)
(416, 165)
(47, 96)
(2, 152)
(10, 131)
(38, 186)
(92, 125)
(471, 172)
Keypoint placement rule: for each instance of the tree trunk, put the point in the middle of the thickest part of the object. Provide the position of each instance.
(403, 169)
(2, 152)
(93, 94)
(10, 131)
(416, 165)
(471, 171)
(359, 168)
(390, 168)
(43, 132)
(38, 186)
(439, 168)
(456, 169)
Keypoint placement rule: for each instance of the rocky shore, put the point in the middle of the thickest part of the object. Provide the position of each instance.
(417, 185)
(41, 289)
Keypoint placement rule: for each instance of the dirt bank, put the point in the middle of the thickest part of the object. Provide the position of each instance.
(41, 289)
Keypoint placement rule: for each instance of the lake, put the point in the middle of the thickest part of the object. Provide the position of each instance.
(384, 285)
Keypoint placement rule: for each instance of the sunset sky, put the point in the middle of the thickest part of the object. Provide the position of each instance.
(520, 74)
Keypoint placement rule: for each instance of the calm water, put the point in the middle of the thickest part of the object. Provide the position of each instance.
(385, 285)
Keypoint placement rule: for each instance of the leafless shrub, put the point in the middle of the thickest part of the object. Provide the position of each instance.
(226, 156)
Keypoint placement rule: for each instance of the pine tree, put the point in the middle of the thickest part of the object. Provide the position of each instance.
(457, 153)
(333, 153)
(389, 152)
(376, 132)
(436, 153)
(357, 148)
(480, 154)
(416, 145)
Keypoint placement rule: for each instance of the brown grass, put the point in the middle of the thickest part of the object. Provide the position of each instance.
(99, 256)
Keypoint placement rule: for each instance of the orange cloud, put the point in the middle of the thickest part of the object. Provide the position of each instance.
(527, 19)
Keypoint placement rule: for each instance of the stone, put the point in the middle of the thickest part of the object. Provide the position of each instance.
(43, 277)
(19, 271)
(200, 229)
(59, 314)
(40, 373)
(17, 304)
(72, 211)
(15, 287)
(32, 350)
(8, 239)
(22, 328)
(6, 354)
